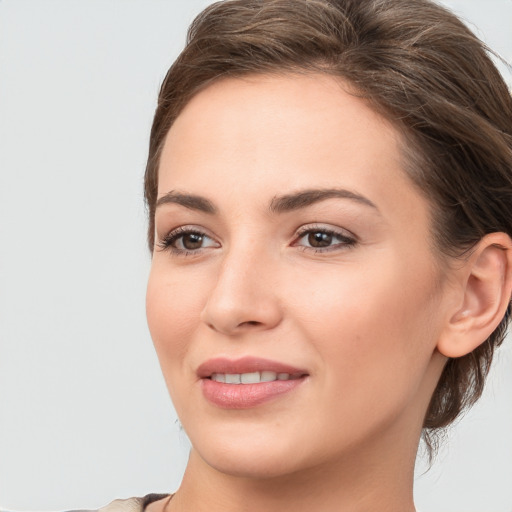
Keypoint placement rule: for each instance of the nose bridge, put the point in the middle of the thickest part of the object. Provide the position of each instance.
(243, 295)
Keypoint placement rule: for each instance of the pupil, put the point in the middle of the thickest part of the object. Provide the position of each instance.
(319, 239)
(192, 241)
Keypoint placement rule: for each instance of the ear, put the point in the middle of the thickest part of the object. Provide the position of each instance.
(483, 296)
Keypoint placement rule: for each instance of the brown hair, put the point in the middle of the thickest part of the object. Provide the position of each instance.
(418, 65)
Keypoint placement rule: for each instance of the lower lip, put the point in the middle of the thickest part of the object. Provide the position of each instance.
(245, 396)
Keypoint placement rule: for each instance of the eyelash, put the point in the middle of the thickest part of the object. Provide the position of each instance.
(167, 243)
(346, 240)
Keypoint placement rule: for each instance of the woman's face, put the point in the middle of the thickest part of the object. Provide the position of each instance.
(293, 249)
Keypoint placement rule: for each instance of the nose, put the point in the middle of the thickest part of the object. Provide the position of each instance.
(243, 296)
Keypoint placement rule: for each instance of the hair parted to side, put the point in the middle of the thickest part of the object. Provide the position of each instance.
(420, 67)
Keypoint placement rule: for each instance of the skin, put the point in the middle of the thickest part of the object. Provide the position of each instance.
(363, 318)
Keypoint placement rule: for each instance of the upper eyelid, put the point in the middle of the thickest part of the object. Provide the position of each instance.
(188, 228)
(307, 228)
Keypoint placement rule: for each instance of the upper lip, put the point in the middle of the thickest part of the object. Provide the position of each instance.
(246, 364)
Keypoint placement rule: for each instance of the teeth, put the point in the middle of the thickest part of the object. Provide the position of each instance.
(268, 376)
(232, 378)
(250, 378)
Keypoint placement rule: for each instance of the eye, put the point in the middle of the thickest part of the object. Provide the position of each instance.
(186, 241)
(321, 239)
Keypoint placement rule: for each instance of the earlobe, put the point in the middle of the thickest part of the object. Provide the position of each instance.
(484, 296)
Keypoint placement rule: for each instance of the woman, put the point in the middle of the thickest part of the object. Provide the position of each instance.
(329, 186)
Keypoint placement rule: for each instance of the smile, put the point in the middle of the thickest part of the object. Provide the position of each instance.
(247, 382)
(252, 377)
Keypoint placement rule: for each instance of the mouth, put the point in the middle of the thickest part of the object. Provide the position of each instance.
(247, 382)
(247, 370)
(253, 377)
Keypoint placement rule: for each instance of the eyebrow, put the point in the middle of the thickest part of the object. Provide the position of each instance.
(304, 198)
(190, 201)
(279, 204)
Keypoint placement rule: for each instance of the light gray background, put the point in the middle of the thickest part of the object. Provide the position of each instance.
(84, 414)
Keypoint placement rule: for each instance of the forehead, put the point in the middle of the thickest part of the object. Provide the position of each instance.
(262, 134)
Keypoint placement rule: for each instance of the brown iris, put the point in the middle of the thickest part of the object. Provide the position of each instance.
(319, 239)
(192, 241)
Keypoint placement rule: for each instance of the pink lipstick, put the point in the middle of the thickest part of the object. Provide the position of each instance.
(247, 382)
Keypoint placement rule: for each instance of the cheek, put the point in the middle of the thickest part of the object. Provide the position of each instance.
(372, 337)
(371, 327)
(173, 308)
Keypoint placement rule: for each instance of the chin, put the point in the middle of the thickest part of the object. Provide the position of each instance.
(254, 466)
(248, 456)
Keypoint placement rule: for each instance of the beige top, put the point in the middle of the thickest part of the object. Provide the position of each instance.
(128, 505)
(131, 504)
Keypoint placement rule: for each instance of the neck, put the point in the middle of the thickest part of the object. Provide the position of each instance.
(370, 478)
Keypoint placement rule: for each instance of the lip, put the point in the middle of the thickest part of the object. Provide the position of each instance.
(246, 396)
(245, 365)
